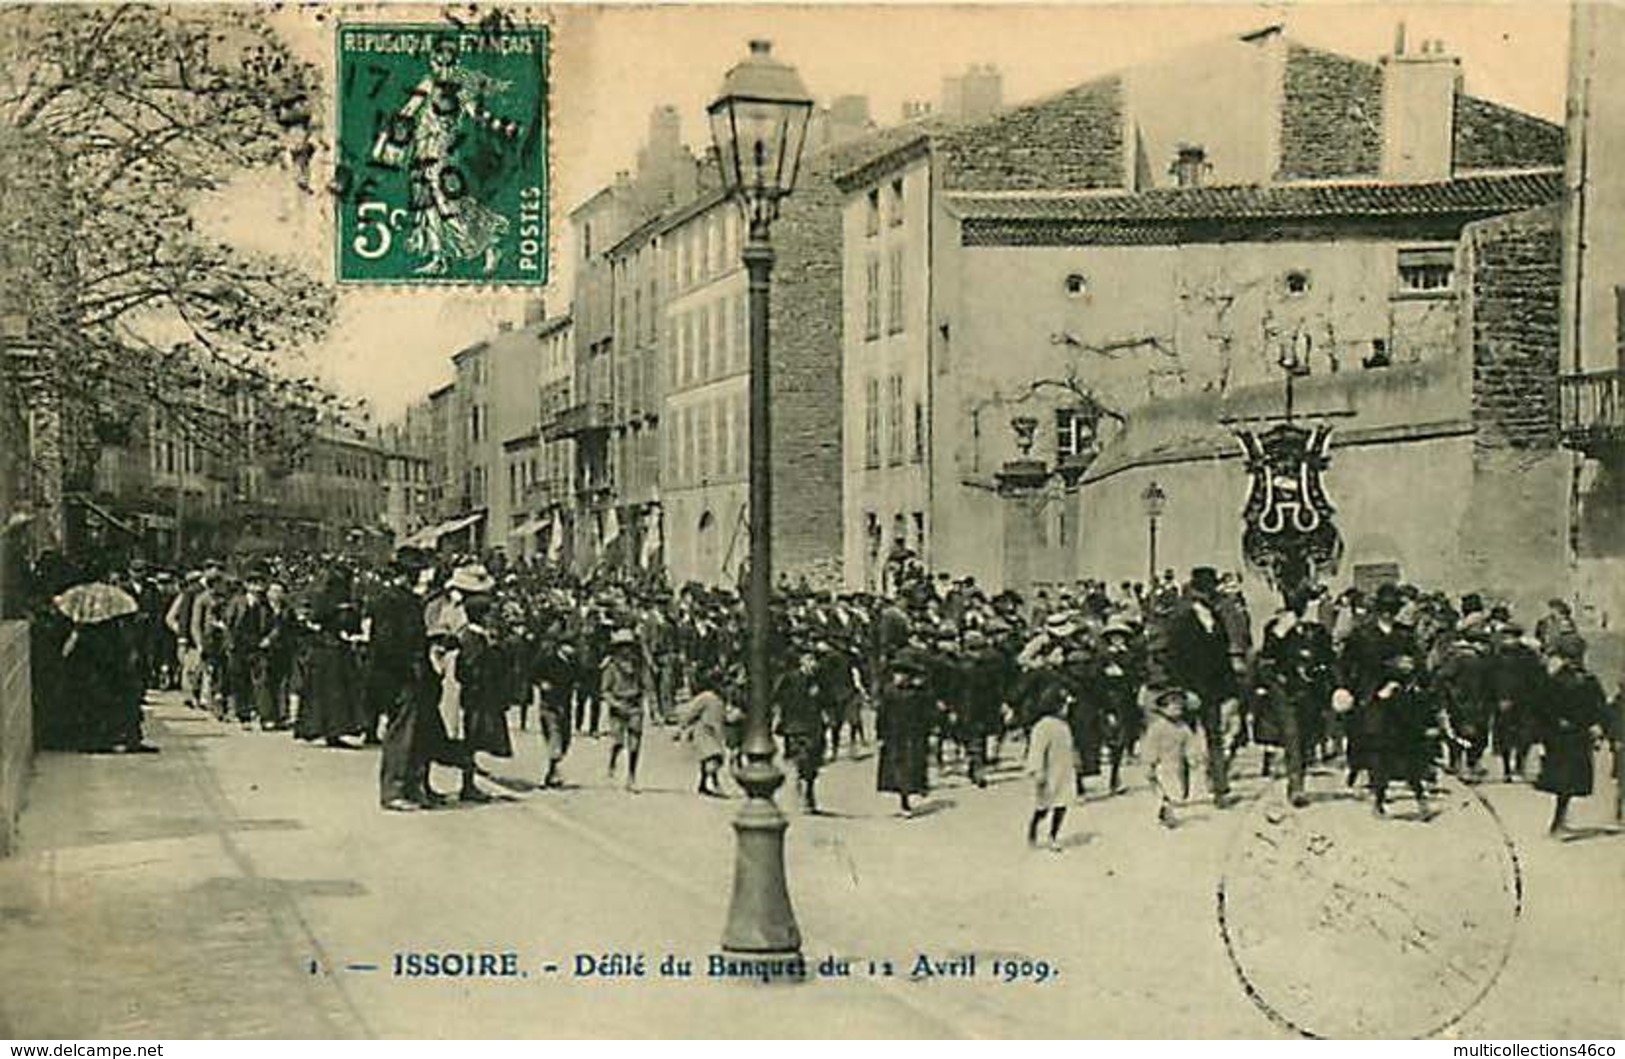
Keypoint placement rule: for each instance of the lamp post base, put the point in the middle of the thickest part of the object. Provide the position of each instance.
(760, 920)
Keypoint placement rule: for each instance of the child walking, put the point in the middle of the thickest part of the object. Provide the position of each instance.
(1050, 764)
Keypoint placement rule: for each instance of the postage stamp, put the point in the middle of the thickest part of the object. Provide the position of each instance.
(442, 154)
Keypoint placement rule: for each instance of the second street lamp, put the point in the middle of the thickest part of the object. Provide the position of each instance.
(759, 125)
(1155, 500)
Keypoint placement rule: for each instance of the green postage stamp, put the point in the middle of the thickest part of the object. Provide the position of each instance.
(442, 154)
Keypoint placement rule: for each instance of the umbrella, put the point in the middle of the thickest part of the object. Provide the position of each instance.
(94, 602)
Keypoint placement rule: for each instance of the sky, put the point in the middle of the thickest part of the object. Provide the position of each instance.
(612, 65)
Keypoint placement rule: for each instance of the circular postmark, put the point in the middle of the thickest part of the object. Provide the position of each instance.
(1341, 924)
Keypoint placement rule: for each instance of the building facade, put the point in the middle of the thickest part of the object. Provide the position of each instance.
(1593, 331)
(1114, 276)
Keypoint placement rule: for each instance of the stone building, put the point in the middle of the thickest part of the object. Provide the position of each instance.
(1593, 317)
(1123, 269)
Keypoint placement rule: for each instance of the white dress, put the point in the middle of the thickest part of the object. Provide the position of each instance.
(1050, 763)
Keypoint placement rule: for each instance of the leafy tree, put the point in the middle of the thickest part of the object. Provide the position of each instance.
(129, 113)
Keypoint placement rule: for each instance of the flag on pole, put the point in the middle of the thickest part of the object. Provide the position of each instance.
(652, 541)
(555, 541)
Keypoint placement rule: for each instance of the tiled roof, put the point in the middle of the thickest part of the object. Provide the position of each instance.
(1479, 193)
(852, 160)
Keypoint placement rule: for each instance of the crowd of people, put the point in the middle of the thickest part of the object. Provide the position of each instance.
(432, 656)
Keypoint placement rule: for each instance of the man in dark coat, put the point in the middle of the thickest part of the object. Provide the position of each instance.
(981, 695)
(903, 726)
(1570, 718)
(1198, 660)
(1293, 669)
(248, 624)
(1516, 674)
(400, 664)
(1369, 661)
(801, 723)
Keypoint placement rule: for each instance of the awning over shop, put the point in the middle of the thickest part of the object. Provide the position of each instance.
(430, 536)
(531, 528)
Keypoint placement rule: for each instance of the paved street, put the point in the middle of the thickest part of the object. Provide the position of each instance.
(228, 886)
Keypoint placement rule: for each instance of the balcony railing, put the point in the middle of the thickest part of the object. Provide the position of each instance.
(1593, 412)
(583, 418)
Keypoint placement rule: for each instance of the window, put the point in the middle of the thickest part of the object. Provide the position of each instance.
(896, 218)
(871, 423)
(1297, 283)
(1426, 271)
(703, 344)
(1074, 433)
(894, 417)
(706, 259)
(691, 468)
(726, 442)
(919, 431)
(674, 371)
(742, 332)
(919, 533)
(871, 299)
(1378, 357)
(894, 294)
(871, 217)
(1077, 285)
(691, 323)
(742, 421)
(703, 444)
(719, 338)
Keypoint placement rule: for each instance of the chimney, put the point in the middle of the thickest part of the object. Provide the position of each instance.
(1190, 165)
(1419, 111)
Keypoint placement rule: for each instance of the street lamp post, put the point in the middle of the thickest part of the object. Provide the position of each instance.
(1155, 500)
(759, 124)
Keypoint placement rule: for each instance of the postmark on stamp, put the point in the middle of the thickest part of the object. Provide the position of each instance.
(442, 154)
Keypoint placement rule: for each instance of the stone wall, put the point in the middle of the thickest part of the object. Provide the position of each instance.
(1331, 116)
(1514, 276)
(806, 379)
(16, 728)
(1071, 140)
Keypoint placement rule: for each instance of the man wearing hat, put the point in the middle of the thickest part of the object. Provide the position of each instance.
(1369, 658)
(1115, 678)
(1197, 659)
(399, 663)
(1570, 717)
(248, 628)
(621, 687)
(1292, 673)
(1515, 680)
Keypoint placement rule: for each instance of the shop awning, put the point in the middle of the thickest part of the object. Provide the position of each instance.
(430, 536)
(531, 528)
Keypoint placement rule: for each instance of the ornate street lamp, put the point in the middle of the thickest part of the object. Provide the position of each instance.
(759, 125)
(1154, 500)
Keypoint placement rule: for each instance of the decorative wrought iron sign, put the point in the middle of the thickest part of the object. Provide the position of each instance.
(1290, 535)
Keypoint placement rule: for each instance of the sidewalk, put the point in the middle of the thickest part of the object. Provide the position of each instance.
(228, 886)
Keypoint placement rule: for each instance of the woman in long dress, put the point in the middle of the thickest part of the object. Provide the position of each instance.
(331, 702)
(904, 727)
(483, 682)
